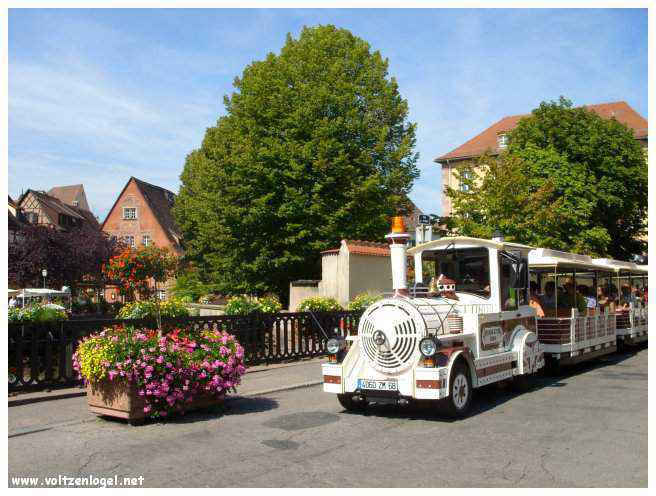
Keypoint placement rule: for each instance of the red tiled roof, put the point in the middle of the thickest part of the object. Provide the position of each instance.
(487, 140)
(357, 247)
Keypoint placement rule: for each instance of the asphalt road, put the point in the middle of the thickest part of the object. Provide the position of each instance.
(587, 427)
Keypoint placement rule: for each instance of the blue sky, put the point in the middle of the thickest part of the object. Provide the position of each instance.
(96, 96)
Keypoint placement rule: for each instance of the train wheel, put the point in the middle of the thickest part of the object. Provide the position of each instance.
(460, 392)
(522, 383)
(346, 400)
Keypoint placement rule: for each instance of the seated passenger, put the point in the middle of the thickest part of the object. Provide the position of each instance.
(572, 299)
(534, 299)
(591, 301)
(549, 296)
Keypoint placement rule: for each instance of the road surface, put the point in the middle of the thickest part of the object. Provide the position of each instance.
(587, 427)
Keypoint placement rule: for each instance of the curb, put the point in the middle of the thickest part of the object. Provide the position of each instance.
(27, 401)
(39, 399)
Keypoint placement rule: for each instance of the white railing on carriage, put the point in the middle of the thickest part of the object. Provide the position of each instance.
(591, 330)
(635, 318)
(577, 331)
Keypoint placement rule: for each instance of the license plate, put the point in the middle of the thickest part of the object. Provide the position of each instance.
(378, 385)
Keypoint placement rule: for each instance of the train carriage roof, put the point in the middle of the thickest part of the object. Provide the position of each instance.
(617, 265)
(467, 242)
(546, 257)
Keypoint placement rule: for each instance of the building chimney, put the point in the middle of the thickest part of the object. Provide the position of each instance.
(398, 239)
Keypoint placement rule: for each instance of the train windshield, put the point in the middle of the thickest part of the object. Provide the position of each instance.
(468, 267)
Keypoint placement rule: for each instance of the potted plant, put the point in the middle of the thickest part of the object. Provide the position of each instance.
(137, 373)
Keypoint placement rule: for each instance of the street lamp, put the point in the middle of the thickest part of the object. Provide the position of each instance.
(44, 273)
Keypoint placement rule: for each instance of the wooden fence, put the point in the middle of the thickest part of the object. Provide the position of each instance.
(40, 355)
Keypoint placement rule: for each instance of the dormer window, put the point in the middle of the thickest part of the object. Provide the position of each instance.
(76, 203)
(502, 140)
(129, 213)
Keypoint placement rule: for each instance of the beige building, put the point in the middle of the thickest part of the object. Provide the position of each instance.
(494, 139)
(355, 267)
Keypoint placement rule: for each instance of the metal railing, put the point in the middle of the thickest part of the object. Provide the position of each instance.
(40, 354)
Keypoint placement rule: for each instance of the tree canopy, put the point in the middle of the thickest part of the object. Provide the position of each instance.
(70, 257)
(315, 146)
(569, 180)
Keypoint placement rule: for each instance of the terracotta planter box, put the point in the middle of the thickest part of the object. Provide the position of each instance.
(120, 399)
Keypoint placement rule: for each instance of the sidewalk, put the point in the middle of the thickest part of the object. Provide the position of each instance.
(258, 380)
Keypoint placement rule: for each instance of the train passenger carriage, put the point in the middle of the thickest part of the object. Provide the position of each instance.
(627, 293)
(573, 322)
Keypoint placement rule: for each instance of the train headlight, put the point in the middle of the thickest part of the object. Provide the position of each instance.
(334, 346)
(428, 346)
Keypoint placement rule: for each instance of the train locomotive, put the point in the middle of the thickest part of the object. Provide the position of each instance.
(472, 324)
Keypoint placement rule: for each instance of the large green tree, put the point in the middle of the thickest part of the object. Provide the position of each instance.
(569, 180)
(315, 146)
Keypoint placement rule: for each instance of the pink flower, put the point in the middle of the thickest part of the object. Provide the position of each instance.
(112, 374)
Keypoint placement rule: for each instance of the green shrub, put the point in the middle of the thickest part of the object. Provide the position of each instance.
(244, 305)
(35, 313)
(189, 286)
(319, 304)
(147, 309)
(269, 304)
(362, 301)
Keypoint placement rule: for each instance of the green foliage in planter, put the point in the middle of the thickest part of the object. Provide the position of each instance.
(147, 309)
(319, 304)
(35, 313)
(362, 301)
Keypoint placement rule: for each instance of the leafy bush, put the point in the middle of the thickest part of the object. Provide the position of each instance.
(319, 304)
(35, 313)
(189, 286)
(244, 305)
(269, 304)
(362, 301)
(168, 371)
(147, 309)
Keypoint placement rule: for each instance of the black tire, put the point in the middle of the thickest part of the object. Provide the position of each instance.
(522, 383)
(551, 366)
(346, 400)
(458, 404)
(620, 346)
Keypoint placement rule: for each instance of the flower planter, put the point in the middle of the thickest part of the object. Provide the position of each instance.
(119, 399)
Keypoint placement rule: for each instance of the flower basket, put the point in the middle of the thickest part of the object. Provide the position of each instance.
(120, 399)
(137, 373)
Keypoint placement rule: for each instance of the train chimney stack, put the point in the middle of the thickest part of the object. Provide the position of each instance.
(398, 239)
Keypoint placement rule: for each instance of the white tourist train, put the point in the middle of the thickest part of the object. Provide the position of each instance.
(481, 311)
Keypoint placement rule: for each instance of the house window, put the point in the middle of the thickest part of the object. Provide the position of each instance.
(465, 176)
(32, 217)
(129, 240)
(502, 140)
(161, 294)
(129, 213)
(145, 239)
(76, 203)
